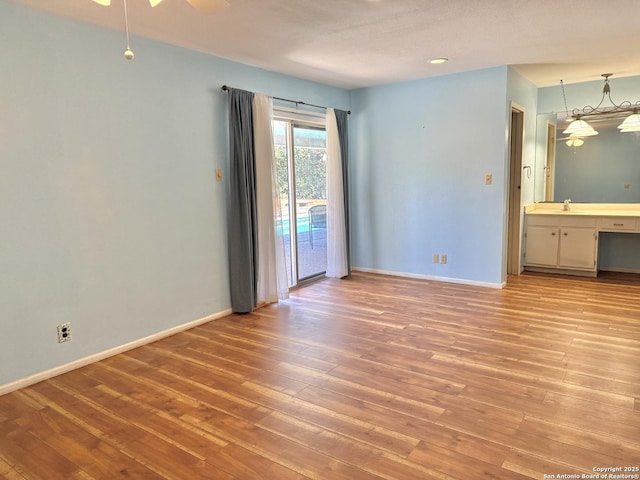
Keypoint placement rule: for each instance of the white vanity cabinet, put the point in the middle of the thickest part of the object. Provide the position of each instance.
(566, 241)
(561, 243)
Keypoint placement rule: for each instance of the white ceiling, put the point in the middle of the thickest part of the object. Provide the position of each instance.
(358, 43)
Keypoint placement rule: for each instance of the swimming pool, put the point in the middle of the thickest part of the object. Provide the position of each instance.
(302, 225)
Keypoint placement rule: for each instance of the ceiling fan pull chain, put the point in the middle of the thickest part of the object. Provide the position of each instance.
(128, 53)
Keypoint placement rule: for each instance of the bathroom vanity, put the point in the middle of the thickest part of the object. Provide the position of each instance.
(566, 241)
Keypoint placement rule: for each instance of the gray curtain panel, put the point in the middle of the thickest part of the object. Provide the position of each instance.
(243, 253)
(342, 120)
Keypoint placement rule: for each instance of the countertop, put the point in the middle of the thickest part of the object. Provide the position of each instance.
(585, 209)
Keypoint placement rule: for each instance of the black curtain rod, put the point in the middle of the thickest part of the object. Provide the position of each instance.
(297, 102)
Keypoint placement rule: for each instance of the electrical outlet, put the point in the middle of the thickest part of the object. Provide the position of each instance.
(443, 259)
(64, 332)
(627, 186)
(436, 258)
(488, 179)
(218, 174)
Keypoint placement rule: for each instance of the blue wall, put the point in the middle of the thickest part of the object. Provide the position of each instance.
(420, 153)
(111, 216)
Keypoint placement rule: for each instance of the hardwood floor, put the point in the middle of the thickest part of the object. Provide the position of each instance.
(369, 377)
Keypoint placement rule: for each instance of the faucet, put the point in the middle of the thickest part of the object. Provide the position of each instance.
(567, 205)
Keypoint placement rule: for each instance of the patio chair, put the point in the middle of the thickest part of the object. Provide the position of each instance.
(317, 220)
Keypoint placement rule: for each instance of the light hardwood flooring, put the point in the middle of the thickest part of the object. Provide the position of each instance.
(365, 378)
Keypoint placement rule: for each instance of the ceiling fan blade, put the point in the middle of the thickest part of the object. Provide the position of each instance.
(104, 3)
(209, 6)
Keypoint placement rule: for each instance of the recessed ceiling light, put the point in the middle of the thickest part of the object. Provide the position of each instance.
(437, 61)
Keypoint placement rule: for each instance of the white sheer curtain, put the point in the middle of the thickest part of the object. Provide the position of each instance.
(337, 262)
(271, 269)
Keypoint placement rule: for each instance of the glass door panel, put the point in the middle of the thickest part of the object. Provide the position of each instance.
(281, 140)
(310, 160)
(302, 182)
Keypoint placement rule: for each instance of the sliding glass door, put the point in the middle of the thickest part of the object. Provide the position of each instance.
(302, 182)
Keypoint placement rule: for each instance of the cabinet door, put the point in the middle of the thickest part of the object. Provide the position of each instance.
(541, 247)
(578, 248)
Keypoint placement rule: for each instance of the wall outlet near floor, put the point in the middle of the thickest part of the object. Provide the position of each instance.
(436, 258)
(64, 332)
(443, 259)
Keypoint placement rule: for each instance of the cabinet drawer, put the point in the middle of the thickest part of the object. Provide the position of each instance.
(542, 220)
(577, 221)
(618, 224)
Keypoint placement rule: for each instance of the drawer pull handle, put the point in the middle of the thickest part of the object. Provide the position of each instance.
(565, 234)
(553, 233)
(618, 224)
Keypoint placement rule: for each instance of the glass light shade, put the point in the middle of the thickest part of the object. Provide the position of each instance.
(575, 141)
(105, 3)
(580, 128)
(631, 123)
(154, 2)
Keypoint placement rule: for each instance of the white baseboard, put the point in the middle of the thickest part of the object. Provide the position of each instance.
(38, 377)
(419, 276)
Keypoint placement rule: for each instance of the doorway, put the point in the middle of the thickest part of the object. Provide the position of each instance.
(301, 163)
(514, 205)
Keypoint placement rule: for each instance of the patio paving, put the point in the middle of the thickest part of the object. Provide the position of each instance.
(311, 261)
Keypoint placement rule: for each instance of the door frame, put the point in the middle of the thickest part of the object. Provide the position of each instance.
(514, 190)
(296, 119)
(550, 162)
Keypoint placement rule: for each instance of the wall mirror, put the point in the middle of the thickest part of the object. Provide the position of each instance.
(604, 168)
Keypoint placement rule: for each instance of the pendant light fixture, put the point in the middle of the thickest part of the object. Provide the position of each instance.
(631, 123)
(579, 127)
